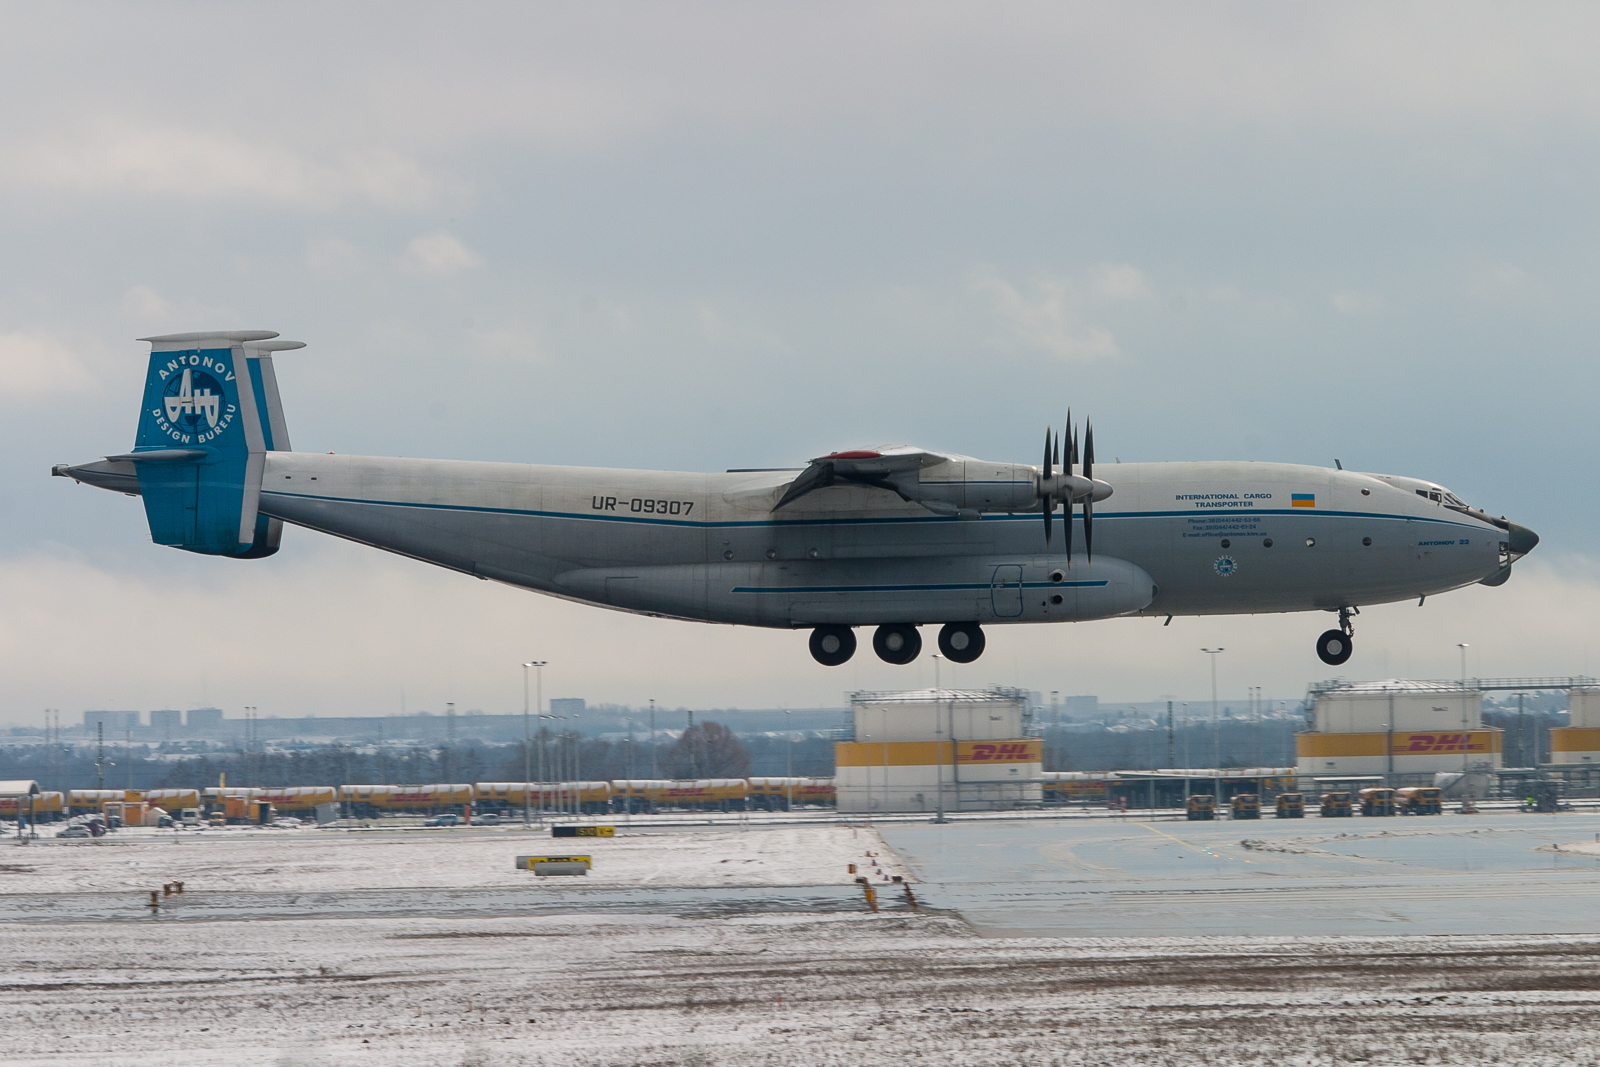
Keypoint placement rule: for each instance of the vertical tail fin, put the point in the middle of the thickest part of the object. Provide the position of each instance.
(211, 414)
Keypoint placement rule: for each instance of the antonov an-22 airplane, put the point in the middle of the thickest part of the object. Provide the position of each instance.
(892, 538)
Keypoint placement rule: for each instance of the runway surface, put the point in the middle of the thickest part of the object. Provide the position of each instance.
(1449, 874)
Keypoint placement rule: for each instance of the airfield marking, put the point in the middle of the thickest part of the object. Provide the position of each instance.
(1181, 841)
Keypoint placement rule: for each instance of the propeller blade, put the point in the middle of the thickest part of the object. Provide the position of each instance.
(1088, 503)
(1046, 503)
(1068, 531)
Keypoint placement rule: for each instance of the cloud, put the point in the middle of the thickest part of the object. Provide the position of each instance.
(722, 330)
(333, 257)
(144, 303)
(440, 255)
(1509, 285)
(1050, 315)
(1346, 302)
(122, 159)
(32, 364)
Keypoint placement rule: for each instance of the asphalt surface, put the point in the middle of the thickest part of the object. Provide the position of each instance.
(1494, 873)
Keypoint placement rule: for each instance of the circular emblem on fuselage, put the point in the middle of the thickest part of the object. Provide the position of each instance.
(1226, 566)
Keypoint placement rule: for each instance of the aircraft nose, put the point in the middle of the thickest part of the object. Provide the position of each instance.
(1521, 540)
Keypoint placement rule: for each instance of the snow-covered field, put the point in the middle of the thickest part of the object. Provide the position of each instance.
(332, 860)
(741, 985)
(894, 988)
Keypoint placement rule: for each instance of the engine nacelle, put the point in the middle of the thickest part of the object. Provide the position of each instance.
(959, 484)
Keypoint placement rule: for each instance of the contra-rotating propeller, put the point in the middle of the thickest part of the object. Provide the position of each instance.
(1068, 487)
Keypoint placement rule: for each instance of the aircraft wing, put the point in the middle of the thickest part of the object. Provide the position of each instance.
(877, 467)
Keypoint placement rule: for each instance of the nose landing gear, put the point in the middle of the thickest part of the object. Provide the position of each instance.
(1335, 646)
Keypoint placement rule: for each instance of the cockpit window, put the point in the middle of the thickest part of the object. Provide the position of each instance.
(1442, 496)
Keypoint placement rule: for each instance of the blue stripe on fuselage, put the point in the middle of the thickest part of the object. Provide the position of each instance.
(1300, 513)
(909, 588)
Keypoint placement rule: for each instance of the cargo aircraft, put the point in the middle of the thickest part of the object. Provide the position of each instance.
(892, 538)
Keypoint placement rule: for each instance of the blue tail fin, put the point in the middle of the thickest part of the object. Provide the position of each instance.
(211, 414)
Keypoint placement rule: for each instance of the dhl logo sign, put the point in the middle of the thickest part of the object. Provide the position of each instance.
(1456, 742)
(1028, 751)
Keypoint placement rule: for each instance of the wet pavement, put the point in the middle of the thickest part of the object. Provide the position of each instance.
(1448, 874)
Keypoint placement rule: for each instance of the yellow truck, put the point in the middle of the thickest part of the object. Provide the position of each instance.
(1202, 807)
(1291, 806)
(1377, 800)
(1336, 804)
(1245, 806)
(1419, 800)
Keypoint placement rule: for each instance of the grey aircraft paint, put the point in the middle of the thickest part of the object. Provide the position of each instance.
(892, 536)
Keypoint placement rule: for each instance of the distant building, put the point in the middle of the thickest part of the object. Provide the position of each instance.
(114, 721)
(1083, 708)
(203, 719)
(1579, 740)
(167, 723)
(567, 706)
(1397, 728)
(966, 748)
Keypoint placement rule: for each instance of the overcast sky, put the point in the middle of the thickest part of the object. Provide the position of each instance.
(699, 236)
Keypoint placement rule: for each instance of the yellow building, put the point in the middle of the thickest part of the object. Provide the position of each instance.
(968, 747)
(1397, 727)
(1579, 741)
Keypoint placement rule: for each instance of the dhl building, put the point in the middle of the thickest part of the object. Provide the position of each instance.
(1397, 728)
(968, 748)
(1579, 741)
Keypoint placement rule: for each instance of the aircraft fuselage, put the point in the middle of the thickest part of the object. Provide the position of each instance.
(1174, 539)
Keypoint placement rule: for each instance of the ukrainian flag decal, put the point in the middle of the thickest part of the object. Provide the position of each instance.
(1303, 500)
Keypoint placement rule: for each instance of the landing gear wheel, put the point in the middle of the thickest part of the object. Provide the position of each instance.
(961, 642)
(833, 645)
(897, 643)
(1334, 647)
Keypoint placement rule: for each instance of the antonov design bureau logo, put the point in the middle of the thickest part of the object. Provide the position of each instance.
(194, 408)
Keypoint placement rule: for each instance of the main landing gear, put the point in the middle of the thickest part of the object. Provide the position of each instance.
(1334, 646)
(897, 642)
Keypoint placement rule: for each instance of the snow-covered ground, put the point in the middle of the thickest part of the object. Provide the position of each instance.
(332, 860)
(894, 988)
(575, 984)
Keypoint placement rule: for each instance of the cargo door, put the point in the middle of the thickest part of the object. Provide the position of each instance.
(1005, 591)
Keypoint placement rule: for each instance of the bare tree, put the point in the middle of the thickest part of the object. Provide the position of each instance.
(708, 750)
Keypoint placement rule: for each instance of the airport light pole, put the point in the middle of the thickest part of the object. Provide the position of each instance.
(1216, 732)
(1462, 645)
(527, 740)
(938, 742)
(653, 773)
(788, 760)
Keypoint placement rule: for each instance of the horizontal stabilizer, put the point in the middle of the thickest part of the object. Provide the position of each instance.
(161, 455)
(117, 475)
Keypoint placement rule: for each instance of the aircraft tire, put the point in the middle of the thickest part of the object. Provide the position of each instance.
(961, 642)
(833, 645)
(1334, 647)
(897, 642)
